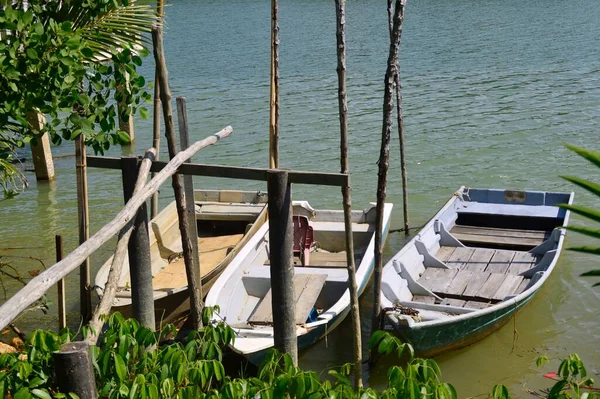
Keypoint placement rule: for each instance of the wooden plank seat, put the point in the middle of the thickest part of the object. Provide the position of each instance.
(239, 212)
(468, 285)
(489, 260)
(307, 288)
(326, 259)
(499, 238)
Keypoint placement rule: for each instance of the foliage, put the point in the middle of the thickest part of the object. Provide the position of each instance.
(572, 381)
(588, 213)
(128, 364)
(67, 60)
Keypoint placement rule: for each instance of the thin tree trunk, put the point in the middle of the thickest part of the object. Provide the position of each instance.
(384, 155)
(398, 88)
(340, 6)
(84, 226)
(274, 103)
(194, 285)
(112, 281)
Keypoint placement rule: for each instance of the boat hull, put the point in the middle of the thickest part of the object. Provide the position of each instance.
(430, 341)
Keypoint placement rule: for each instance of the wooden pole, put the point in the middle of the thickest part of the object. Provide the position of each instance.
(156, 113)
(340, 6)
(281, 244)
(274, 102)
(74, 370)
(85, 297)
(140, 264)
(398, 89)
(41, 152)
(165, 97)
(38, 286)
(112, 281)
(188, 183)
(62, 310)
(384, 157)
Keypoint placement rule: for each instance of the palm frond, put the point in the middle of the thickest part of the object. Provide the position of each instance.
(586, 250)
(592, 187)
(585, 230)
(592, 156)
(589, 213)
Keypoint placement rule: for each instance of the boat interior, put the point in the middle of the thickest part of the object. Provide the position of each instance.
(320, 268)
(222, 217)
(476, 254)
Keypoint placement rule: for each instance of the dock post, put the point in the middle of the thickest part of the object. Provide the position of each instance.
(41, 153)
(83, 217)
(62, 314)
(188, 188)
(74, 370)
(140, 267)
(282, 266)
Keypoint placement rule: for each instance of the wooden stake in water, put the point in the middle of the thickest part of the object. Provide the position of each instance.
(156, 110)
(340, 6)
(84, 226)
(194, 288)
(274, 103)
(398, 89)
(384, 155)
(62, 310)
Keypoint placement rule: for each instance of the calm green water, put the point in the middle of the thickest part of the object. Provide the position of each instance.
(491, 90)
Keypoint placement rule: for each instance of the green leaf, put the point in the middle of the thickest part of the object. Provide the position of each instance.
(144, 112)
(120, 367)
(595, 273)
(32, 54)
(589, 213)
(41, 393)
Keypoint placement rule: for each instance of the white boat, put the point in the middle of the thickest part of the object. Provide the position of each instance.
(243, 291)
(481, 257)
(226, 221)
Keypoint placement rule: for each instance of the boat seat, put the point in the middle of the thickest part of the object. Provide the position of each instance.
(470, 285)
(307, 288)
(499, 237)
(234, 212)
(303, 239)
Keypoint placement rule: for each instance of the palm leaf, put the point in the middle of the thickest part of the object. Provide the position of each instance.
(583, 211)
(592, 156)
(585, 184)
(585, 230)
(591, 273)
(586, 250)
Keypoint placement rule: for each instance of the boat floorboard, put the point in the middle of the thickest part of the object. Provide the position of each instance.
(212, 252)
(307, 288)
(501, 238)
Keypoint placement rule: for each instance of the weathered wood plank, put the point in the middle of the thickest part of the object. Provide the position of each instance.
(479, 260)
(477, 280)
(522, 286)
(444, 253)
(437, 279)
(499, 232)
(306, 293)
(460, 257)
(307, 288)
(509, 286)
(491, 285)
(500, 261)
(522, 261)
(460, 282)
(423, 298)
(454, 302)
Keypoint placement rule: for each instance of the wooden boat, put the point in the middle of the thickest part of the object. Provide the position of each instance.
(226, 221)
(243, 291)
(479, 259)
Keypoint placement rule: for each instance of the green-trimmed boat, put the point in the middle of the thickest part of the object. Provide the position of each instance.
(476, 262)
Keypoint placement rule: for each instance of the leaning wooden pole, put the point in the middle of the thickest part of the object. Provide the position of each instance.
(340, 6)
(40, 284)
(62, 308)
(85, 297)
(400, 123)
(156, 110)
(384, 156)
(194, 286)
(274, 103)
